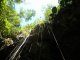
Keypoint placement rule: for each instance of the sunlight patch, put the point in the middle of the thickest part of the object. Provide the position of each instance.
(38, 6)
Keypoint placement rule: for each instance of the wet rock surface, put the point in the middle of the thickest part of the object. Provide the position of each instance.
(42, 47)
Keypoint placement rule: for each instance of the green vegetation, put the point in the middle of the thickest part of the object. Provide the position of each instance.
(47, 12)
(27, 14)
(8, 19)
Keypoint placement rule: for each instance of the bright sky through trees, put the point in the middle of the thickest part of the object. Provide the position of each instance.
(37, 5)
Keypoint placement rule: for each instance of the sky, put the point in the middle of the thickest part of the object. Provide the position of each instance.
(37, 5)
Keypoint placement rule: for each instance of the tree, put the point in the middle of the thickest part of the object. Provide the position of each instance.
(12, 3)
(47, 12)
(27, 14)
(8, 18)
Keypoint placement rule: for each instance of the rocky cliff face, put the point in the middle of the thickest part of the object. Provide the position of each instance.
(65, 26)
(41, 46)
(66, 29)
